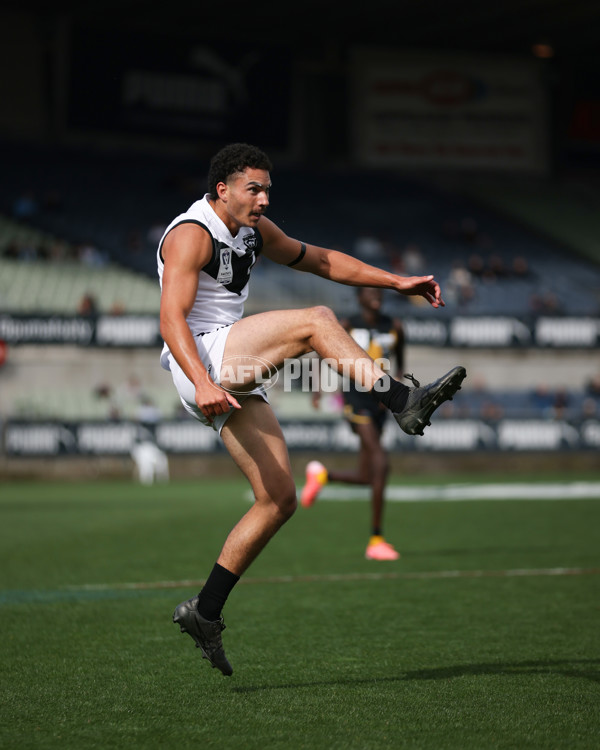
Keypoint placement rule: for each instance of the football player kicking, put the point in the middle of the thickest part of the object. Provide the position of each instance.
(204, 263)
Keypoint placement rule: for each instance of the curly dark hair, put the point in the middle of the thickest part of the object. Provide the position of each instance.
(232, 159)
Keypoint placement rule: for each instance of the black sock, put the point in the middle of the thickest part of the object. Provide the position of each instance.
(215, 592)
(391, 393)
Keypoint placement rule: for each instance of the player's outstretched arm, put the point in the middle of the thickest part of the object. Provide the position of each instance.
(341, 267)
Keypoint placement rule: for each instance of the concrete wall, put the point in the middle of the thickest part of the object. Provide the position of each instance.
(436, 467)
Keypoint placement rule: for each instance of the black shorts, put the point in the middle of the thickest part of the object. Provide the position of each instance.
(363, 408)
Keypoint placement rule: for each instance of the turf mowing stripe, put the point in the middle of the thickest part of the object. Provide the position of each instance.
(458, 492)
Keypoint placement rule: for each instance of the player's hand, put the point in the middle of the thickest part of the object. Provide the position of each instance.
(422, 286)
(212, 400)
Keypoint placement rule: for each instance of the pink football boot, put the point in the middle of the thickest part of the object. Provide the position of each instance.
(316, 479)
(379, 549)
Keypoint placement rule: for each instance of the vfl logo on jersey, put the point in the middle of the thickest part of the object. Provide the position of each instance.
(225, 275)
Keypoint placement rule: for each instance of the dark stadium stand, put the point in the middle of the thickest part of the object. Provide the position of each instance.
(487, 263)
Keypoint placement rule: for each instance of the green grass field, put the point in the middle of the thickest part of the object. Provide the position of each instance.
(486, 634)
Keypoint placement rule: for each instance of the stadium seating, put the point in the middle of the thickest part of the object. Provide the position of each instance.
(68, 402)
(119, 203)
(58, 288)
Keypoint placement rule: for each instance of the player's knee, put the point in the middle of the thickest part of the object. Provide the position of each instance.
(288, 503)
(286, 500)
(281, 499)
(322, 313)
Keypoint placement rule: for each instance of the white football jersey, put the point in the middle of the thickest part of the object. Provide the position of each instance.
(223, 282)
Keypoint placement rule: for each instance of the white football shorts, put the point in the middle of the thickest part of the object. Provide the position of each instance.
(211, 347)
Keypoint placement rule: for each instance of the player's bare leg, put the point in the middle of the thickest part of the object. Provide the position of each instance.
(372, 469)
(284, 334)
(255, 441)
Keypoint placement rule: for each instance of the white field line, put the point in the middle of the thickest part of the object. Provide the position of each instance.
(343, 577)
(397, 493)
(459, 492)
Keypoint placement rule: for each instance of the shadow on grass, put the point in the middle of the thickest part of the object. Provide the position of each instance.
(588, 669)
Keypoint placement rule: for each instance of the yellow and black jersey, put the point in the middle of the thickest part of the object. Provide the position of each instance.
(379, 342)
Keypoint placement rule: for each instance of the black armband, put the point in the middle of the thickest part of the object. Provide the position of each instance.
(300, 255)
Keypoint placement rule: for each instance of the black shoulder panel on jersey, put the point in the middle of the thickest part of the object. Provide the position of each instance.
(259, 242)
(188, 221)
